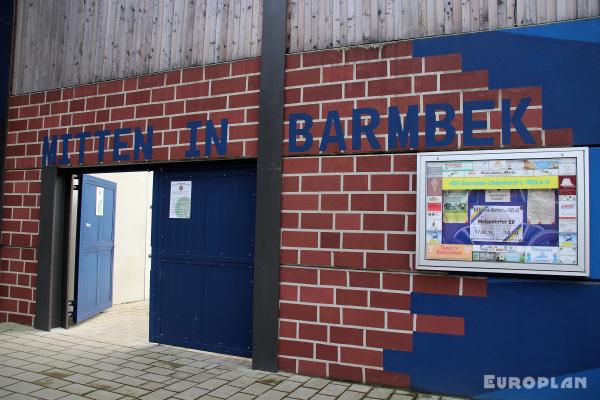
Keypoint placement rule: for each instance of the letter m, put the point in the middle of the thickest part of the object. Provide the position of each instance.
(49, 151)
(398, 133)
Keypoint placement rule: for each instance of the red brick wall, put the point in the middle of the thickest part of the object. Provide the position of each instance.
(167, 101)
(348, 221)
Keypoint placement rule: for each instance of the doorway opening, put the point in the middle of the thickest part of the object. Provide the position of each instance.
(109, 255)
(165, 256)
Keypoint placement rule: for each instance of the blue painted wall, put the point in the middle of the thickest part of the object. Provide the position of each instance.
(524, 326)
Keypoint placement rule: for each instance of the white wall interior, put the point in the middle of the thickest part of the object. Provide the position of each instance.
(133, 222)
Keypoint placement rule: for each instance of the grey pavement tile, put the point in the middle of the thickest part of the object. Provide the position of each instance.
(131, 381)
(316, 383)
(242, 396)
(154, 378)
(104, 384)
(357, 387)
(243, 381)
(160, 394)
(152, 385)
(52, 383)
(350, 395)
(57, 373)
(4, 381)
(224, 392)
(398, 396)
(76, 388)
(3, 393)
(303, 393)
(103, 395)
(381, 393)
(191, 393)
(333, 389)
(131, 391)
(272, 395)
(287, 386)
(29, 376)
(256, 388)
(320, 396)
(180, 386)
(17, 396)
(80, 378)
(106, 375)
(212, 383)
(33, 367)
(273, 379)
(49, 394)
(23, 387)
(74, 397)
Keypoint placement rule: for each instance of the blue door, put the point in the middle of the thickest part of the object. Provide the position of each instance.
(202, 259)
(93, 280)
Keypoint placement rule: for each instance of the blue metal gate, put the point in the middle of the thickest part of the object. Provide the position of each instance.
(94, 272)
(203, 259)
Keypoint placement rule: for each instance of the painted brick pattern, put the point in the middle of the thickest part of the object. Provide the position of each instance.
(336, 322)
(389, 75)
(166, 101)
(348, 221)
(355, 211)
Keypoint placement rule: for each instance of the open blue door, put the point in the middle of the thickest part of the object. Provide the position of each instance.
(202, 259)
(94, 272)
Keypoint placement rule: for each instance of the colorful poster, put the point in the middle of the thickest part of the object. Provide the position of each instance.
(180, 200)
(567, 166)
(496, 224)
(456, 252)
(434, 221)
(567, 225)
(434, 237)
(567, 185)
(541, 164)
(541, 207)
(500, 182)
(434, 169)
(434, 186)
(566, 239)
(455, 206)
(434, 206)
(541, 255)
(567, 255)
(497, 196)
(567, 208)
(499, 253)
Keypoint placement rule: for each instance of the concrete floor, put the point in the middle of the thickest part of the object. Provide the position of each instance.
(108, 357)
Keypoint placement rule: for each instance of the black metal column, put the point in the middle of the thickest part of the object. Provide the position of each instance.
(268, 187)
(51, 254)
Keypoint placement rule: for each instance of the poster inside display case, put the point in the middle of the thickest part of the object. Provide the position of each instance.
(504, 211)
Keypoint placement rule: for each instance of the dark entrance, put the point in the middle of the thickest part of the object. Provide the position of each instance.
(203, 259)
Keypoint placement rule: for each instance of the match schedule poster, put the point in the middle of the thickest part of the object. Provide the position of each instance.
(516, 210)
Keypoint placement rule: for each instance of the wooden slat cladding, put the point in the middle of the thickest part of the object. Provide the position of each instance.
(68, 42)
(318, 24)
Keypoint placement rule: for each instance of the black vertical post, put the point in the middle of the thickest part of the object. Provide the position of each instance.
(268, 187)
(51, 255)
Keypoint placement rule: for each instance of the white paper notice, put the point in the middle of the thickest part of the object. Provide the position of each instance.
(99, 201)
(181, 199)
(496, 224)
(497, 196)
(541, 207)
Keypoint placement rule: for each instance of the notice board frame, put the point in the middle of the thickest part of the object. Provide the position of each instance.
(580, 269)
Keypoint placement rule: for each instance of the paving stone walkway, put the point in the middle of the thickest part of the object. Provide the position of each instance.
(109, 358)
